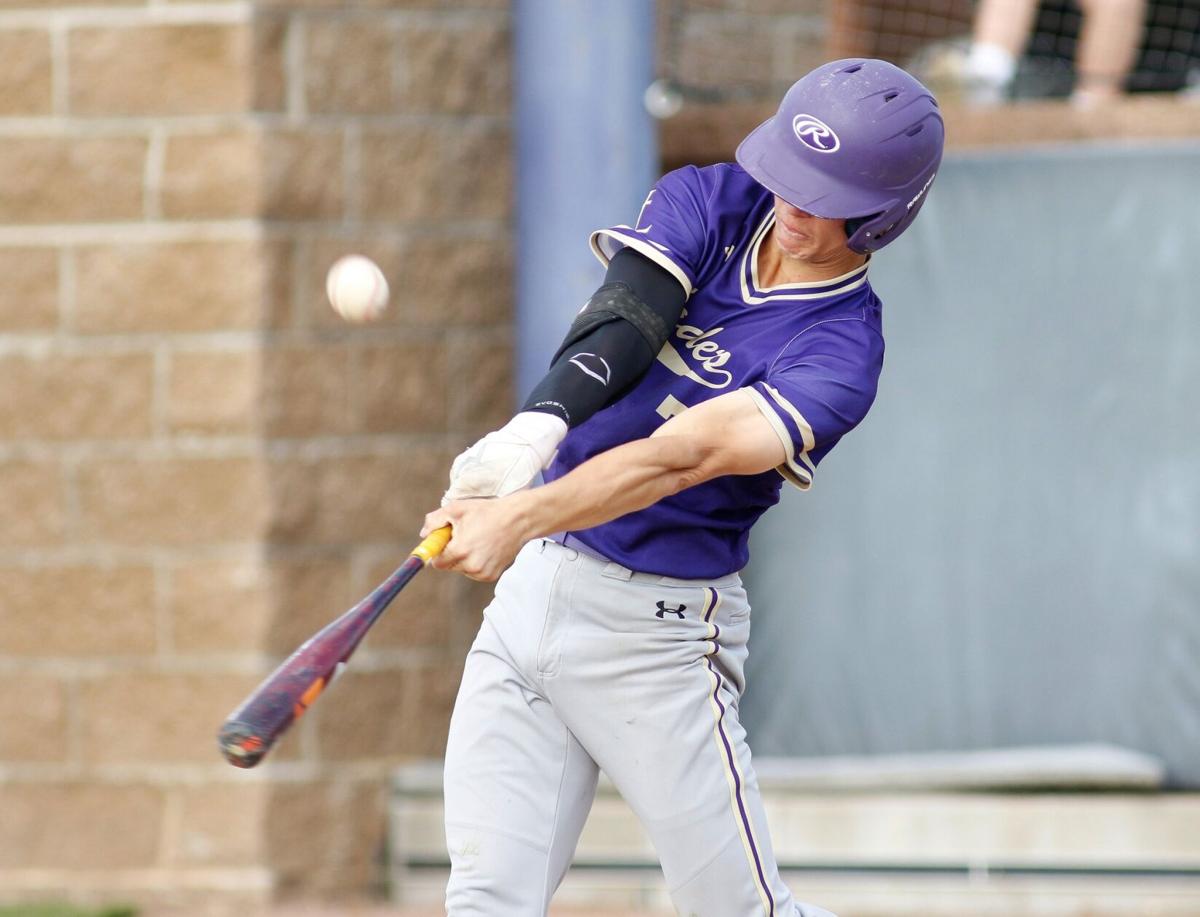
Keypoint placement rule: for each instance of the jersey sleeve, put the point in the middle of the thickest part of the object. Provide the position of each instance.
(671, 228)
(818, 390)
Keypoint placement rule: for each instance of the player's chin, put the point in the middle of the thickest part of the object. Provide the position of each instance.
(802, 247)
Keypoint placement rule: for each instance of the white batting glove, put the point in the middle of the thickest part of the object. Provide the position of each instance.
(508, 459)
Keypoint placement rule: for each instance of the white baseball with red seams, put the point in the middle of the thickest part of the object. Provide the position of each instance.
(356, 288)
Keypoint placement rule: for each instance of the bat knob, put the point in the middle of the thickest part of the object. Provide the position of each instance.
(241, 745)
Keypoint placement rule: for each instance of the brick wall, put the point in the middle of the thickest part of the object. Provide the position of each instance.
(199, 463)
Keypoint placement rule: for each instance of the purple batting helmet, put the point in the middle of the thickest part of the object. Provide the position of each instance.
(858, 140)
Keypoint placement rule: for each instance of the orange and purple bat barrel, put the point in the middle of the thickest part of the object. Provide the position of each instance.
(251, 730)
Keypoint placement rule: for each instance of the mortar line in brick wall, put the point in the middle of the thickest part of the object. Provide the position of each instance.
(111, 556)
(339, 840)
(449, 383)
(351, 170)
(156, 156)
(60, 72)
(355, 390)
(24, 235)
(394, 660)
(74, 17)
(171, 829)
(160, 396)
(458, 340)
(298, 299)
(91, 668)
(75, 126)
(361, 563)
(401, 70)
(452, 121)
(448, 19)
(74, 749)
(345, 552)
(76, 451)
(68, 291)
(72, 502)
(197, 446)
(188, 774)
(362, 445)
(164, 631)
(66, 125)
(499, 231)
(307, 337)
(294, 52)
(306, 737)
(48, 772)
(781, 41)
(115, 882)
(70, 343)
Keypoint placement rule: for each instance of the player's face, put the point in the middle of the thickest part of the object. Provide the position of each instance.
(804, 237)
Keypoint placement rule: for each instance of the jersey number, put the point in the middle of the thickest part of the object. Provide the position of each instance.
(670, 407)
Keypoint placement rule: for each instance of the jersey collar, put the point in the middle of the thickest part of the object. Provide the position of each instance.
(753, 294)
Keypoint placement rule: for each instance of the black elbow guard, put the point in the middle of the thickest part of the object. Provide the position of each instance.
(616, 301)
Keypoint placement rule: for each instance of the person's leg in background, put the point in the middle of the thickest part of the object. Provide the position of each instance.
(1107, 50)
(999, 35)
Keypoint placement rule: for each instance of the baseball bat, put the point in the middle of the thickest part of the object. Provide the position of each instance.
(249, 732)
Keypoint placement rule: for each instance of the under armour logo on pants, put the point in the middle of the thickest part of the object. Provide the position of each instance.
(664, 609)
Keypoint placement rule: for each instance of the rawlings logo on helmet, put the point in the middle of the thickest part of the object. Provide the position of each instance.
(815, 134)
(924, 188)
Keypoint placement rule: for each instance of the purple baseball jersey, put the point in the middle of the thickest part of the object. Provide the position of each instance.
(809, 354)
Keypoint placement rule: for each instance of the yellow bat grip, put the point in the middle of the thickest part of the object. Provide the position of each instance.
(433, 544)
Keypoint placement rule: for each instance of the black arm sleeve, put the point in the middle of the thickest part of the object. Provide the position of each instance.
(594, 370)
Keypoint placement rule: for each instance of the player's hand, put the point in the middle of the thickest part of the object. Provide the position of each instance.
(487, 536)
(507, 460)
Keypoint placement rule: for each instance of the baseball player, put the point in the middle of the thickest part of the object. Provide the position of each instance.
(735, 340)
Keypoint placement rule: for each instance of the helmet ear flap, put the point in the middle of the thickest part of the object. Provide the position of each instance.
(853, 225)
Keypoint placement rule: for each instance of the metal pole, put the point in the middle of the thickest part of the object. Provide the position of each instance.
(586, 154)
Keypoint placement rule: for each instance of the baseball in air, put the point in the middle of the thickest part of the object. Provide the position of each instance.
(357, 289)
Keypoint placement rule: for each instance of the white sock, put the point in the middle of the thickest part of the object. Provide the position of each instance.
(990, 64)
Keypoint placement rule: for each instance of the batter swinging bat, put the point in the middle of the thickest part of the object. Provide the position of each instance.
(251, 730)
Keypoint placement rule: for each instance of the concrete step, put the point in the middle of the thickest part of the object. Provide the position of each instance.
(638, 895)
(864, 848)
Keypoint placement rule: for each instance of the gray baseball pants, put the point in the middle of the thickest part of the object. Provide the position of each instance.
(579, 665)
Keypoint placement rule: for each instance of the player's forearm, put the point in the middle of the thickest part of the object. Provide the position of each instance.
(614, 483)
(724, 435)
(612, 342)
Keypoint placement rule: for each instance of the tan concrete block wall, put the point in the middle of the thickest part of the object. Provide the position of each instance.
(200, 464)
(54, 179)
(190, 68)
(25, 72)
